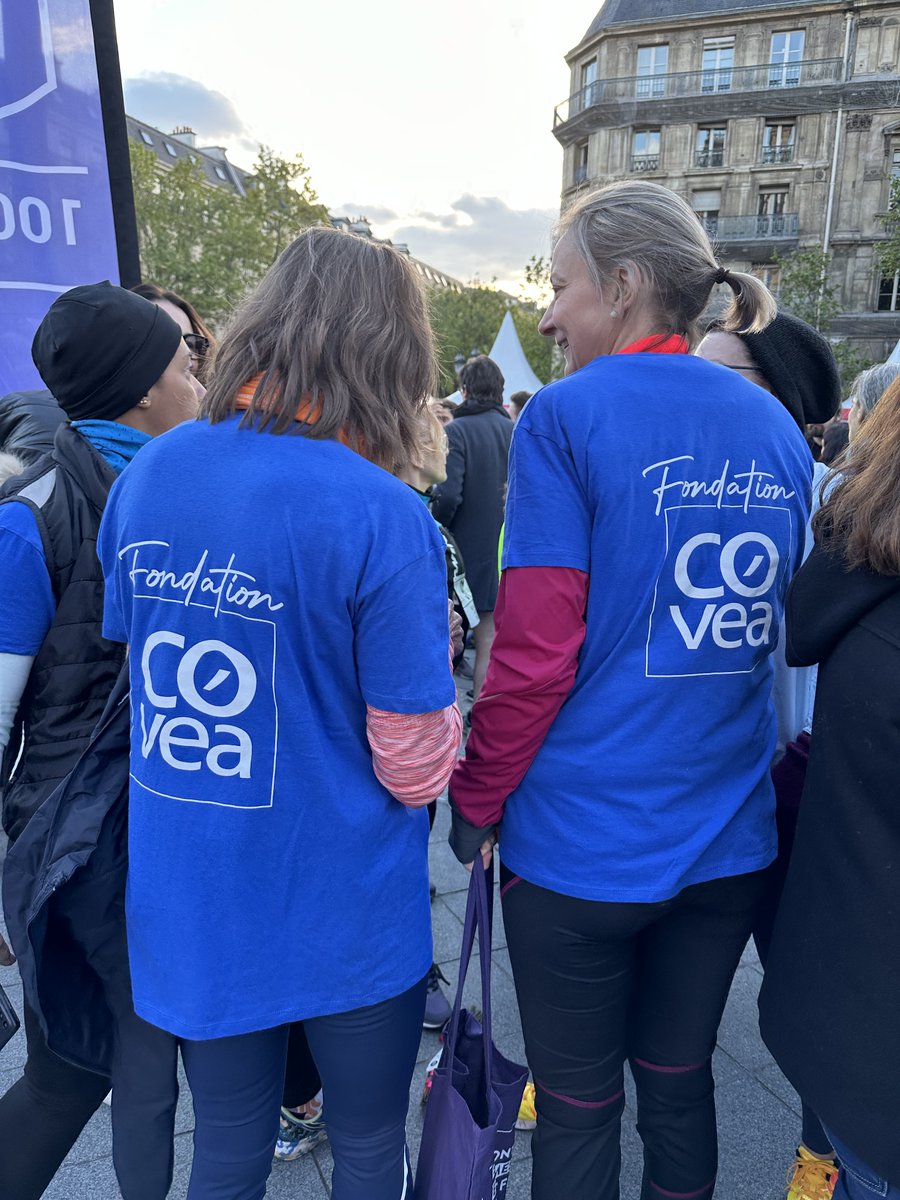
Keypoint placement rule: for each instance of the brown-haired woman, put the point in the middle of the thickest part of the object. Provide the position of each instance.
(829, 1001)
(293, 714)
(626, 729)
(197, 335)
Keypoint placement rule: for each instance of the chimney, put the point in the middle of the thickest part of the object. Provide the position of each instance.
(185, 134)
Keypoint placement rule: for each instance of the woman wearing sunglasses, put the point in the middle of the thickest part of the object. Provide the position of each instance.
(196, 333)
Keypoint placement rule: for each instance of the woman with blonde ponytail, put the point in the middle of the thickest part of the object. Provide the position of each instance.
(655, 515)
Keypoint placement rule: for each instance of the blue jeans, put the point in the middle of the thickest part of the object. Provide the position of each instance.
(857, 1181)
(366, 1060)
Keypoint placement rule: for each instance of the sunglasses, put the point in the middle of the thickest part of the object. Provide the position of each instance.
(197, 344)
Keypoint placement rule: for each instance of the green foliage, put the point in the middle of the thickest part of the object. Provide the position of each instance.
(888, 252)
(471, 319)
(805, 291)
(208, 243)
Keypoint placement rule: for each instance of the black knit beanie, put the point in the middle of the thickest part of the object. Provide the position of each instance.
(100, 349)
(800, 368)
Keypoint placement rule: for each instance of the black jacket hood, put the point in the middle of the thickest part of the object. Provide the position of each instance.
(825, 601)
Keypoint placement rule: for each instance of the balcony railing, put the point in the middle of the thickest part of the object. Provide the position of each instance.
(770, 227)
(761, 78)
(645, 162)
(709, 158)
(778, 154)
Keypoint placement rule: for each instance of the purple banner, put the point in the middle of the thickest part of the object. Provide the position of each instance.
(56, 214)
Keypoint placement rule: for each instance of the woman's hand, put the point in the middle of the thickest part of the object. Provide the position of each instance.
(7, 958)
(456, 631)
(486, 851)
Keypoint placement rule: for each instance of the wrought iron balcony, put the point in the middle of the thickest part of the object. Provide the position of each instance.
(778, 154)
(645, 162)
(769, 227)
(709, 158)
(812, 72)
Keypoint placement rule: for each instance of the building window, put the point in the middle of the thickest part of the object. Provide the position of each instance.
(784, 60)
(718, 60)
(581, 163)
(652, 65)
(706, 205)
(772, 202)
(588, 94)
(220, 171)
(645, 146)
(145, 137)
(778, 142)
(769, 273)
(895, 176)
(170, 149)
(710, 148)
(889, 294)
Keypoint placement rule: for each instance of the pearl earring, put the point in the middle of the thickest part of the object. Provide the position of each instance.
(614, 312)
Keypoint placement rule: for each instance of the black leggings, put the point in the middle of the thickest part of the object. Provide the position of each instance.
(599, 983)
(42, 1115)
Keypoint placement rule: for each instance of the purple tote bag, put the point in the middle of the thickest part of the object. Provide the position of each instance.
(470, 1121)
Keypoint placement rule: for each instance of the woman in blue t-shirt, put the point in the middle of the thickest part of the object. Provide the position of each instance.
(284, 601)
(624, 739)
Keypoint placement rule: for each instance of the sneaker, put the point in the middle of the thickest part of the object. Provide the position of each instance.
(298, 1135)
(437, 1006)
(811, 1178)
(527, 1118)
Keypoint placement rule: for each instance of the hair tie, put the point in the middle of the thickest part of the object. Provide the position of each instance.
(722, 275)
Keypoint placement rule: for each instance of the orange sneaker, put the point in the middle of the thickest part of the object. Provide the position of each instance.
(811, 1178)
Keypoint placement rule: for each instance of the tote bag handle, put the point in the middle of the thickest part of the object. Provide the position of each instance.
(477, 918)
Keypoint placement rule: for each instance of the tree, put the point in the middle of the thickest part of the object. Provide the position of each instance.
(208, 243)
(888, 253)
(471, 319)
(805, 291)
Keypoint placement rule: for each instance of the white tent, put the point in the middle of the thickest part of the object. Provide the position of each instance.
(509, 356)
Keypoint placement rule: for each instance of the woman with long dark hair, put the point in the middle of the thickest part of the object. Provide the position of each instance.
(284, 600)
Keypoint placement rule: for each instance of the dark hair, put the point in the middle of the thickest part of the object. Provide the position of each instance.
(150, 291)
(835, 441)
(861, 516)
(518, 400)
(482, 380)
(340, 321)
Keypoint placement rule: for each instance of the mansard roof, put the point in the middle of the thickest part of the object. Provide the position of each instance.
(636, 12)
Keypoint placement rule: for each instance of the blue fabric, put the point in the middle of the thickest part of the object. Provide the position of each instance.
(270, 587)
(27, 606)
(655, 773)
(856, 1179)
(115, 442)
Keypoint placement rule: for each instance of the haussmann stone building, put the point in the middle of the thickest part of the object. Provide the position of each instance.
(780, 124)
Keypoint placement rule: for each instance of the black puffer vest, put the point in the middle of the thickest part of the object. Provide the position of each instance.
(76, 667)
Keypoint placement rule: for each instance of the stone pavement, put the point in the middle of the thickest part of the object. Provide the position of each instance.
(759, 1121)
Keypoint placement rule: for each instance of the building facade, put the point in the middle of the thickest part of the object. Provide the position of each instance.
(778, 122)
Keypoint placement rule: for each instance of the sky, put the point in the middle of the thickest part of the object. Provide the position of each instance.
(431, 118)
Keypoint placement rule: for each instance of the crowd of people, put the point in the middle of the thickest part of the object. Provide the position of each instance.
(236, 582)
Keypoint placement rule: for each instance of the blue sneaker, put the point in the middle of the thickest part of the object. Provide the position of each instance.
(298, 1135)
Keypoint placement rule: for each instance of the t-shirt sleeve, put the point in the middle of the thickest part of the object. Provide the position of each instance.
(401, 638)
(114, 575)
(27, 605)
(548, 517)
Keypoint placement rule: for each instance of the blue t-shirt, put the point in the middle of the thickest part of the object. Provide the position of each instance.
(683, 490)
(270, 587)
(27, 606)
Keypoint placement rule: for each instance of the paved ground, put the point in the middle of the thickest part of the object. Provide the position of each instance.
(759, 1123)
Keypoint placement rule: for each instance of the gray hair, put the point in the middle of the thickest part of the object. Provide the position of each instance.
(870, 385)
(654, 230)
(10, 466)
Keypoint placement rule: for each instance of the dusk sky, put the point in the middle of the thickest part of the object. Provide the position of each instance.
(432, 119)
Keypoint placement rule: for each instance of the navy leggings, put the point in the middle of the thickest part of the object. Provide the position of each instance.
(599, 983)
(366, 1059)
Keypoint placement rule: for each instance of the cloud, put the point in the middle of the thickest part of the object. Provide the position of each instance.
(166, 100)
(479, 236)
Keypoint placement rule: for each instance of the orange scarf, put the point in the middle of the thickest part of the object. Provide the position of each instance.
(306, 413)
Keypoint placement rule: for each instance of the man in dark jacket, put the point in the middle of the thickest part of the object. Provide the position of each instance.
(121, 372)
(470, 503)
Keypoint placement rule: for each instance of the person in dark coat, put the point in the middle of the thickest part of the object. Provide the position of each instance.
(828, 1005)
(470, 502)
(28, 423)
